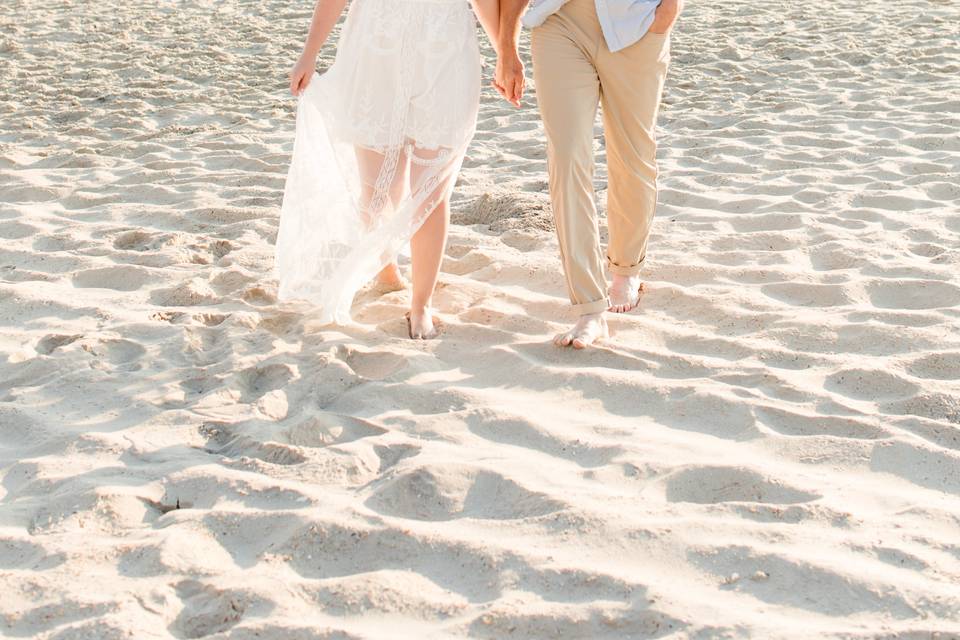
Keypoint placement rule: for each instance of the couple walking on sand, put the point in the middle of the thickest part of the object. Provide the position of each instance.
(381, 135)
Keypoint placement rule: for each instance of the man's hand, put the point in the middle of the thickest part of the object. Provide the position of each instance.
(666, 15)
(509, 79)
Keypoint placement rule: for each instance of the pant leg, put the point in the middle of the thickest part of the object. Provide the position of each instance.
(632, 85)
(568, 92)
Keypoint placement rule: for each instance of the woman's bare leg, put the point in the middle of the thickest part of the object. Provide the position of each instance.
(370, 163)
(427, 246)
(426, 249)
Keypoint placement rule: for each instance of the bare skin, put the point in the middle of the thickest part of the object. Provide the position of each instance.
(510, 82)
(666, 15)
(589, 329)
(427, 244)
(509, 79)
(624, 293)
(325, 15)
(426, 250)
(369, 163)
(427, 247)
(390, 279)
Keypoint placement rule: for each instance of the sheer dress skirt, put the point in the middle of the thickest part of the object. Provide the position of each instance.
(380, 138)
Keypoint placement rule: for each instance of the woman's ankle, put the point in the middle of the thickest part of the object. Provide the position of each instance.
(419, 309)
(389, 273)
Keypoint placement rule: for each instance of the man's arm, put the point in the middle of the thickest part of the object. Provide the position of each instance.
(509, 79)
(666, 15)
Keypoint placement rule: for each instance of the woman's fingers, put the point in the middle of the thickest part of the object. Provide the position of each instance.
(517, 92)
(298, 82)
(508, 77)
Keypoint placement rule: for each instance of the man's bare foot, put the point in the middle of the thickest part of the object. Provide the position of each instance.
(624, 293)
(421, 325)
(589, 329)
(390, 279)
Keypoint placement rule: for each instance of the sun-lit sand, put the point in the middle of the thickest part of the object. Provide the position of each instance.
(769, 449)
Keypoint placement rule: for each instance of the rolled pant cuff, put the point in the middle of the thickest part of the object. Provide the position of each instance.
(624, 271)
(592, 307)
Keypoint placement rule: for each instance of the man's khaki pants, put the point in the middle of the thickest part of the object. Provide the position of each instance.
(573, 71)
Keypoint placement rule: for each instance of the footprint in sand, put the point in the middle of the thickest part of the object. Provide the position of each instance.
(712, 485)
(810, 295)
(768, 577)
(373, 365)
(14, 230)
(282, 323)
(136, 241)
(913, 294)
(259, 380)
(118, 278)
(438, 492)
(872, 386)
(228, 439)
(936, 366)
(789, 423)
(50, 343)
(468, 263)
(193, 292)
(326, 429)
(121, 353)
(259, 296)
(208, 610)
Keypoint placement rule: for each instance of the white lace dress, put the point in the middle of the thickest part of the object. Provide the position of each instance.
(379, 141)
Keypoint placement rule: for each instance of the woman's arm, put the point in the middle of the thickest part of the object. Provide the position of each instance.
(509, 79)
(325, 15)
(488, 13)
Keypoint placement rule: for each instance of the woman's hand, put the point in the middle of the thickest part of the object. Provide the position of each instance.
(325, 15)
(666, 15)
(301, 73)
(509, 79)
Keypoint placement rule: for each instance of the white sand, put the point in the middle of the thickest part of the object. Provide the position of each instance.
(769, 449)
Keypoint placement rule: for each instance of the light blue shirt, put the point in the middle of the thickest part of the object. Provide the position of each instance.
(623, 21)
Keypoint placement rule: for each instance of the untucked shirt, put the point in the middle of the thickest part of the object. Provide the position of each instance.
(623, 21)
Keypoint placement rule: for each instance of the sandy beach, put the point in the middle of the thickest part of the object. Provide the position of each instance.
(769, 448)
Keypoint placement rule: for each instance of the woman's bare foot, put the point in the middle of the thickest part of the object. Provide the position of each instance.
(390, 279)
(421, 325)
(589, 329)
(624, 293)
